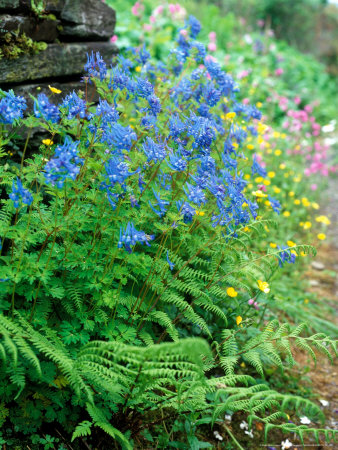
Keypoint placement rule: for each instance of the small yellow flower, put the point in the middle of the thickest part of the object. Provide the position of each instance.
(291, 194)
(231, 292)
(200, 213)
(230, 115)
(47, 142)
(239, 320)
(276, 190)
(307, 225)
(273, 245)
(269, 151)
(259, 104)
(278, 152)
(138, 69)
(321, 236)
(263, 286)
(271, 174)
(250, 146)
(286, 213)
(244, 205)
(297, 179)
(259, 194)
(323, 219)
(282, 166)
(306, 301)
(267, 182)
(305, 201)
(291, 243)
(315, 205)
(259, 179)
(54, 90)
(296, 202)
(247, 176)
(246, 229)
(286, 175)
(267, 203)
(283, 136)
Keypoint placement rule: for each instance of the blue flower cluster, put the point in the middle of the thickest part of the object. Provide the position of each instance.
(285, 256)
(46, 110)
(64, 164)
(11, 107)
(75, 105)
(130, 237)
(20, 194)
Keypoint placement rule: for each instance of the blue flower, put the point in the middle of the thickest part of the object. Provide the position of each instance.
(161, 204)
(194, 25)
(119, 79)
(176, 162)
(211, 95)
(43, 108)
(64, 164)
(154, 104)
(107, 112)
(275, 204)
(11, 107)
(19, 193)
(202, 130)
(201, 51)
(171, 264)
(142, 87)
(118, 136)
(257, 168)
(117, 171)
(285, 256)
(130, 237)
(143, 56)
(154, 152)
(186, 210)
(176, 126)
(194, 194)
(95, 66)
(76, 106)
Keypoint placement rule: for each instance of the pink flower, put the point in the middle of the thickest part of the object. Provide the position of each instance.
(260, 23)
(158, 10)
(297, 100)
(172, 8)
(184, 33)
(212, 47)
(256, 306)
(245, 101)
(113, 39)
(137, 9)
(147, 27)
(243, 74)
(313, 187)
(279, 71)
(308, 108)
(212, 36)
(251, 301)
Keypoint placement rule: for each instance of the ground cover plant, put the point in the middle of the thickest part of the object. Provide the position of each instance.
(136, 275)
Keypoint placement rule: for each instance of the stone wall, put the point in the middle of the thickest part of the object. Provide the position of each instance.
(70, 28)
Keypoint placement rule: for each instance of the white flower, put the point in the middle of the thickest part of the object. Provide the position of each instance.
(218, 436)
(286, 444)
(227, 417)
(243, 425)
(249, 433)
(305, 420)
(324, 402)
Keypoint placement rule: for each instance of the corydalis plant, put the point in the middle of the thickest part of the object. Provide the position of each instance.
(135, 230)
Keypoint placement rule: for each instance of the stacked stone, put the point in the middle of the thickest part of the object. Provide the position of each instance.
(81, 26)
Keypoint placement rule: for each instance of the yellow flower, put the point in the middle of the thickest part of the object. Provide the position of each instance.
(286, 175)
(273, 245)
(250, 146)
(54, 90)
(267, 182)
(315, 205)
(243, 363)
(259, 179)
(291, 243)
(246, 229)
(263, 286)
(267, 203)
(231, 292)
(296, 202)
(259, 104)
(282, 166)
(305, 201)
(247, 176)
(291, 194)
(278, 152)
(200, 213)
(321, 236)
(271, 174)
(283, 136)
(276, 134)
(239, 320)
(269, 151)
(230, 115)
(244, 205)
(259, 194)
(276, 190)
(306, 301)
(323, 219)
(297, 179)
(307, 225)
(286, 213)
(47, 142)
(138, 69)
